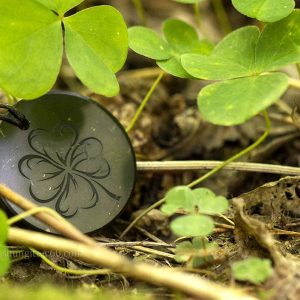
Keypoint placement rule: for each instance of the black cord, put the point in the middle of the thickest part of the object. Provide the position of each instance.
(16, 118)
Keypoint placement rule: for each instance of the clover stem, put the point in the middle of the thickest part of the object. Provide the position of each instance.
(197, 15)
(236, 156)
(298, 69)
(222, 16)
(145, 101)
(210, 173)
(198, 19)
(140, 11)
(68, 271)
(295, 83)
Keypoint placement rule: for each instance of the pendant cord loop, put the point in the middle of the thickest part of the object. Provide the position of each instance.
(15, 118)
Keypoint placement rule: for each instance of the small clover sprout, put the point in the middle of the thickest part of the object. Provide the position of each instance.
(198, 203)
(201, 200)
(4, 256)
(195, 253)
(179, 38)
(254, 270)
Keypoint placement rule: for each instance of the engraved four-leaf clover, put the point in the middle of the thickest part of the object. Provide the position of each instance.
(66, 170)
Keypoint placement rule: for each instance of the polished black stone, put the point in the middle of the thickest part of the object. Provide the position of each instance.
(75, 158)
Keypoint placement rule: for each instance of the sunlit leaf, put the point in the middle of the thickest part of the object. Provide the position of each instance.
(233, 57)
(235, 101)
(30, 48)
(3, 227)
(147, 42)
(265, 10)
(180, 38)
(279, 44)
(60, 6)
(96, 47)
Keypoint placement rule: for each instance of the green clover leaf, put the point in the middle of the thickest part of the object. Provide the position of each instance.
(179, 38)
(59, 6)
(180, 197)
(254, 270)
(95, 59)
(31, 46)
(208, 203)
(4, 254)
(265, 10)
(192, 226)
(246, 54)
(201, 200)
(235, 101)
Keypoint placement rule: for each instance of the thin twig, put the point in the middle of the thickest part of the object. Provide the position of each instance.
(170, 166)
(152, 251)
(285, 232)
(150, 235)
(131, 244)
(64, 228)
(101, 256)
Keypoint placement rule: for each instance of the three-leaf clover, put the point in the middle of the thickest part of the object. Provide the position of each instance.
(199, 204)
(265, 10)
(179, 38)
(4, 256)
(195, 253)
(253, 269)
(32, 36)
(242, 61)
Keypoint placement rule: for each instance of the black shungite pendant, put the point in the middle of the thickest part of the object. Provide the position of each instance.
(75, 158)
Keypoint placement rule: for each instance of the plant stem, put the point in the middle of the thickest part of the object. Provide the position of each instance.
(101, 256)
(295, 83)
(222, 16)
(236, 156)
(66, 270)
(145, 101)
(298, 69)
(140, 11)
(197, 14)
(210, 173)
(199, 21)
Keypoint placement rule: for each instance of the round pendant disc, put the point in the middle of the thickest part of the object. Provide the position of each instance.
(75, 158)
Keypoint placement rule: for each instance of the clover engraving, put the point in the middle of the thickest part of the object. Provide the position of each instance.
(65, 170)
